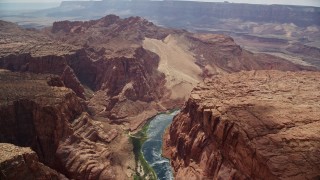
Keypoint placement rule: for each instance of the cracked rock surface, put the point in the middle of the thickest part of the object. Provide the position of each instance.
(26, 162)
(39, 112)
(257, 124)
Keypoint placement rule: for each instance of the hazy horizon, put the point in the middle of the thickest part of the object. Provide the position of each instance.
(287, 2)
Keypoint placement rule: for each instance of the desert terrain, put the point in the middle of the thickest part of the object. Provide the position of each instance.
(76, 87)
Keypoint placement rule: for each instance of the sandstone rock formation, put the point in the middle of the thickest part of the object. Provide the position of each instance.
(123, 74)
(22, 163)
(37, 115)
(186, 59)
(105, 56)
(260, 28)
(118, 60)
(219, 53)
(39, 112)
(92, 152)
(30, 51)
(256, 124)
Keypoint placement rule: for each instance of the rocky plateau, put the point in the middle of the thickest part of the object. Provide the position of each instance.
(248, 125)
(25, 161)
(112, 59)
(73, 92)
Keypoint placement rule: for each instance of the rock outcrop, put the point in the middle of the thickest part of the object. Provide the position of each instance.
(216, 54)
(109, 58)
(30, 51)
(37, 115)
(92, 152)
(105, 56)
(15, 159)
(123, 80)
(256, 124)
(187, 58)
(38, 111)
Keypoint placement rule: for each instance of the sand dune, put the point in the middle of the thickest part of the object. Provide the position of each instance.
(177, 63)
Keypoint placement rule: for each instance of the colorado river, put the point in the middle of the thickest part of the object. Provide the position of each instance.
(151, 148)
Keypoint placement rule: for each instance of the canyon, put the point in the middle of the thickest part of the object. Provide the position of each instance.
(286, 31)
(38, 111)
(73, 92)
(114, 62)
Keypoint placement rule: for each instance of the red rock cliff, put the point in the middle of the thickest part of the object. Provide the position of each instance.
(37, 115)
(257, 124)
(15, 159)
(123, 82)
(31, 51)
(37, 111)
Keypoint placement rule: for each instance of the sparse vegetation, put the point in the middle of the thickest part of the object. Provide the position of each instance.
(143, 169)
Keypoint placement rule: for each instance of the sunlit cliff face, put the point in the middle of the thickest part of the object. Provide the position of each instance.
(91, 79)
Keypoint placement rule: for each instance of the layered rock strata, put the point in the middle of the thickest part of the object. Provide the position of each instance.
(122, 68)
(257, 124)
(37, 115)
(30, 51)
(15, 159)
(121, 63)
(96, 150)
(216, 54)
(38, 111)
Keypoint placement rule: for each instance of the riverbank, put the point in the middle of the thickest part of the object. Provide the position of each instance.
(143, 169)
(147, 148)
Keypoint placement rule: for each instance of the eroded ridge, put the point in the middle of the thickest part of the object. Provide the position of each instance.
(257, 124)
